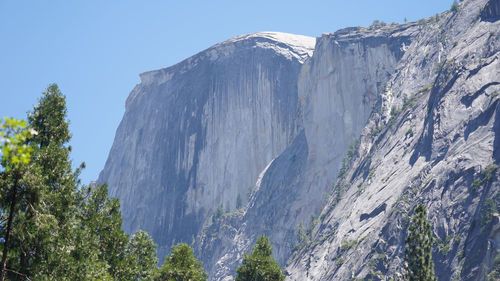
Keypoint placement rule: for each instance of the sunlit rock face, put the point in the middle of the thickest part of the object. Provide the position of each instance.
(330, 143)
(197, 134)
(337, 88)
(432, 139)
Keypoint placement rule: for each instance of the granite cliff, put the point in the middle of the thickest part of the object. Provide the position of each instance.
(197, 134)
(330, 143)
(433, 138)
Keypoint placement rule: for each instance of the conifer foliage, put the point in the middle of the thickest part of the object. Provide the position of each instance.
(53, 228)
(260, 264)
(181, 265)
(418, 254)
(143, 250)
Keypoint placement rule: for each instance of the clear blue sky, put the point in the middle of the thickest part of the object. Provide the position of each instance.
(94, 50)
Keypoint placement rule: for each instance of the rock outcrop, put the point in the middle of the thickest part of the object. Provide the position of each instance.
(330, 143)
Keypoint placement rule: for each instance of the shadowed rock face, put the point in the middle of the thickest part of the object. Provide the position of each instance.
(491, 11)
(267, 112)
(197, 134)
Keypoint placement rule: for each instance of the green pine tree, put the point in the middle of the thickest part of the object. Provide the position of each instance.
(101, 217)
(44, 229)
(454, 7)
(142, 248)
(50, 224)
(239, 202)
(260, 265)
(217, 214)
(181, 265)
(49, 120)
(418, 253)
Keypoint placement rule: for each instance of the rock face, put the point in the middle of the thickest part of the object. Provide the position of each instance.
(433, 140)
(197, 134)
(338, 88)
(330, 144)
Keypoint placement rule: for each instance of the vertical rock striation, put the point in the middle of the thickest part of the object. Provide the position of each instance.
(197, 134)
(337, 89)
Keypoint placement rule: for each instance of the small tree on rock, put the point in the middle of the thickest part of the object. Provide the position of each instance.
(239, 202)
(217, 214)
(454, 7)
(418, 253)
(260, 265)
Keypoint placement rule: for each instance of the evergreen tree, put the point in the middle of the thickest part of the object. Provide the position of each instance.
(101, 217)
(49, 119)
(217, 214)
(418, 253)
(46, 231)
(260, 265)
(142, 248)
(181, 265)
(239, 202)
(83, 240)
(45, 218)
(454, 7)
(44, 226)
